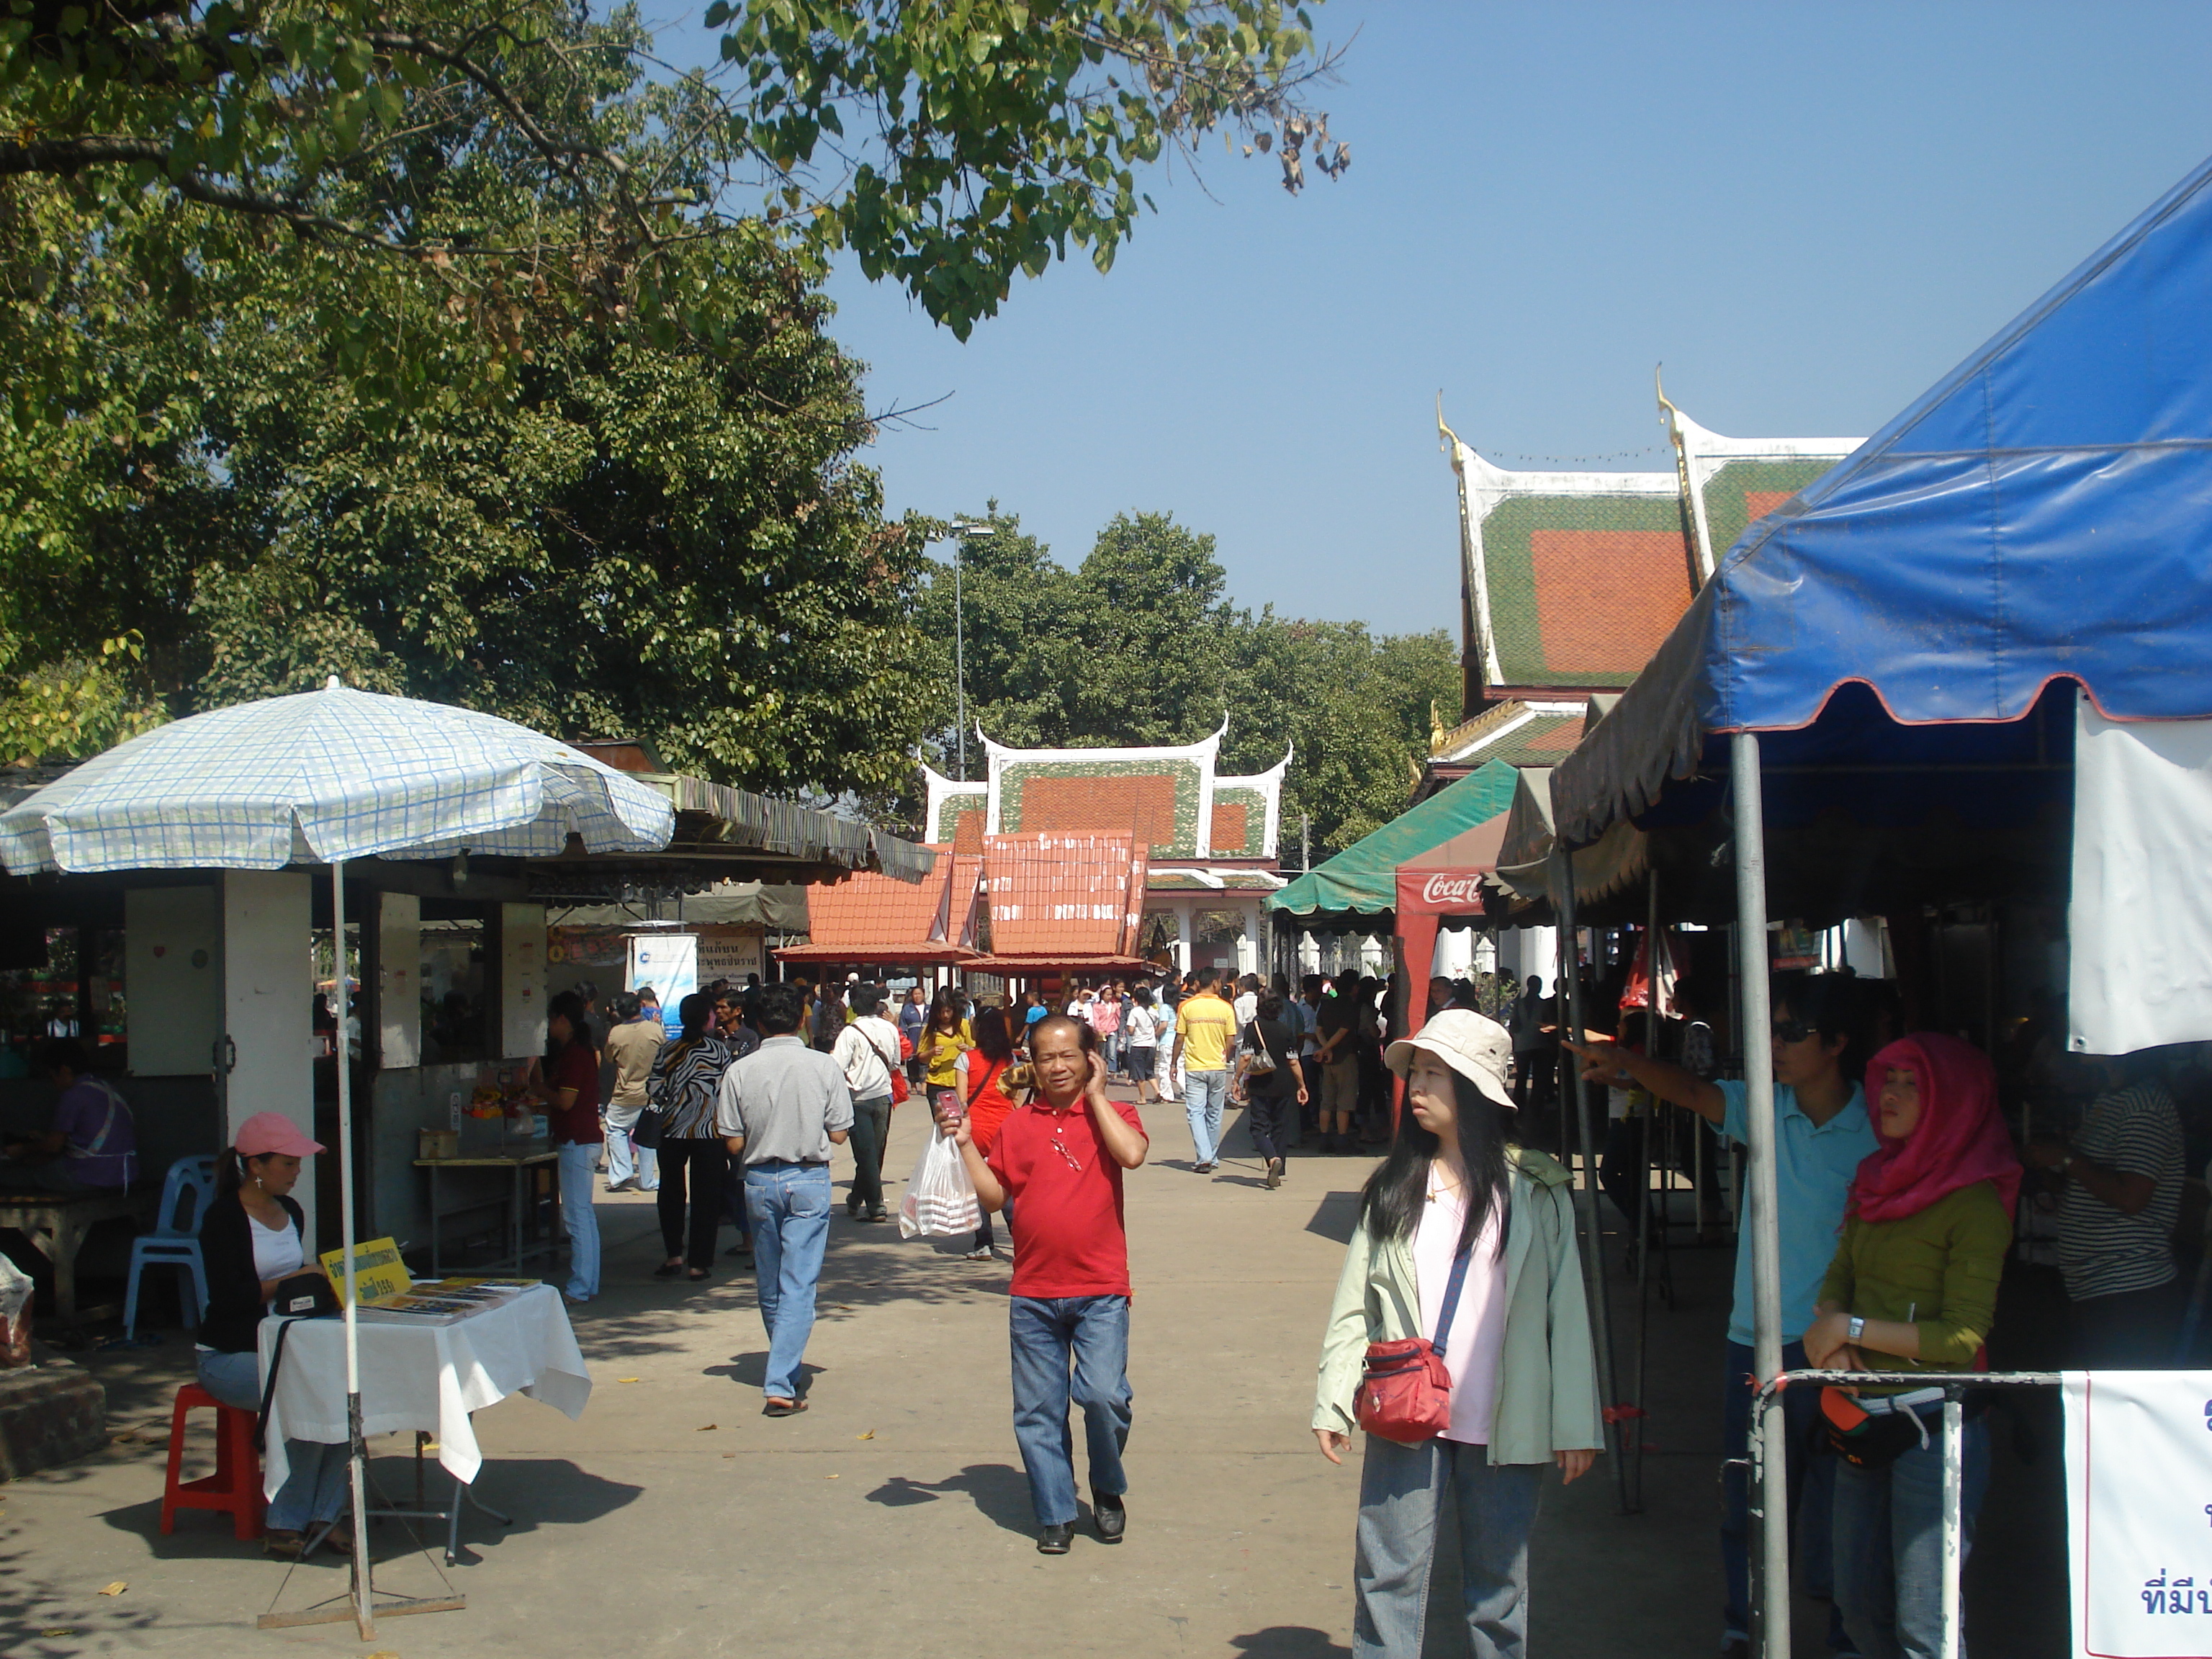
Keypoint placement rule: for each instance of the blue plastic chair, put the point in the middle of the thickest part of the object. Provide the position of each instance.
(175, 1240)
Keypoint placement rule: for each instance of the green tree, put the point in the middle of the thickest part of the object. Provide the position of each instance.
(986, 136)
(1140, 645)
(1356, 706)
(650, 539)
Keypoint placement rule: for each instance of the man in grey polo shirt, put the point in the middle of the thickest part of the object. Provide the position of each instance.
(781, 1109)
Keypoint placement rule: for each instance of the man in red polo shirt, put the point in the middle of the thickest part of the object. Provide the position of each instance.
(1056, 1170)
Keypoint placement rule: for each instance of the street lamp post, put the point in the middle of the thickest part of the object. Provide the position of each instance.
(961, 532)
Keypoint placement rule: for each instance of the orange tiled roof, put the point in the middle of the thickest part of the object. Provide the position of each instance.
(1064, 895)
(869, 918)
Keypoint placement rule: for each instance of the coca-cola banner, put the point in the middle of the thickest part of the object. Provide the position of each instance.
(1440, 892)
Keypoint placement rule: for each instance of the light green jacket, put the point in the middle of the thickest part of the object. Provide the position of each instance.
(1548, 1377)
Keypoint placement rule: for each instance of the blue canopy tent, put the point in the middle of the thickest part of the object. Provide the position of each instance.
(1900, 644)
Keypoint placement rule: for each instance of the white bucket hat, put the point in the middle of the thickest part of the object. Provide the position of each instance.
(1479, 1049)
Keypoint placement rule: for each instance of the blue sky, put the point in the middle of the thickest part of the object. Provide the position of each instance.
(1806, 212)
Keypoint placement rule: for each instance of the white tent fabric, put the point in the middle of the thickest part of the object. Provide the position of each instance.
(2141, 920)
(326, 776)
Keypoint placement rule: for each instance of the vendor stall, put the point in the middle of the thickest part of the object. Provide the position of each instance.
(1968, 663)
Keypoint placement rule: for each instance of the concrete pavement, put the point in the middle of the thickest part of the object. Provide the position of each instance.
(893, 1518)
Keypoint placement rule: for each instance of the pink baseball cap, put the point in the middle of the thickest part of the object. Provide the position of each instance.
(272, 1132)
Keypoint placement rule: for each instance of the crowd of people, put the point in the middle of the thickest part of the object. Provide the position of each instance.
(1911, 1204)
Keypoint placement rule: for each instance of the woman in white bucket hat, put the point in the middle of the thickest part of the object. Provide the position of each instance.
(1523, 1381)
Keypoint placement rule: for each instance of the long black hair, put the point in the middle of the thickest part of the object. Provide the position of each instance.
(1392, 1201)
(570, 1006)
(992, 1040)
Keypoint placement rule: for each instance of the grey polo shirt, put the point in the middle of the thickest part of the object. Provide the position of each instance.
(784, 1099)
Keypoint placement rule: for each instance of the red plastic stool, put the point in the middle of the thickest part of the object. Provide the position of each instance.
(235, 1486)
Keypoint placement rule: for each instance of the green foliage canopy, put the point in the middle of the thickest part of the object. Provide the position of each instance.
(1140, 645)
(948, 144)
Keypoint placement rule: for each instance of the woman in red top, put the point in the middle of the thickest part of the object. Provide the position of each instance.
(570, 1082)
(983, 1088)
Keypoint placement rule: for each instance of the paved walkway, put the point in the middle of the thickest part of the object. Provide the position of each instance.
(893, 1519)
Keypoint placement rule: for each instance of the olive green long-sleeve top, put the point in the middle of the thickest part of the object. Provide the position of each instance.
(1936, 1268)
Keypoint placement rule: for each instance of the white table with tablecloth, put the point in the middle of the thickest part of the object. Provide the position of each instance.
(423, 1373)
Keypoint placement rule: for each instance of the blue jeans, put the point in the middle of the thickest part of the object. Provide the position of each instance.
(1047, 1335)
(1811, 1476)
(626, 1159)
(1402, 1490)
(1889, 1543)
(1202, 1105)
(315, 1490)
(789, 1204)
(580, 1221)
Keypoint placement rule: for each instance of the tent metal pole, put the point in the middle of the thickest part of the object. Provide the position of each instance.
(1593, 1223)
(1632, 1434)
(1763, 1218)
(356, 1465)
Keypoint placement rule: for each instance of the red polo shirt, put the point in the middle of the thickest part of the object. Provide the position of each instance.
(1068, 1235)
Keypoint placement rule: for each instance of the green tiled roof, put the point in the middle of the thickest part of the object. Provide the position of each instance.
(1544, 741)
(1733, 492)
(1254, 803)
(1580, 588)
(949, 810)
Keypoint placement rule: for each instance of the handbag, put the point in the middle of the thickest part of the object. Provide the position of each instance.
(1258, 1062)
(1404, 1391)
(308, 1295)
(649, 1129)
(1868, 1440)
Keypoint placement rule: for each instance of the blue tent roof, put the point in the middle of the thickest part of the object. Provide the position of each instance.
(2045, 512)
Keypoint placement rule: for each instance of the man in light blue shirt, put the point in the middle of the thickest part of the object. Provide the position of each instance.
(1822, 1133)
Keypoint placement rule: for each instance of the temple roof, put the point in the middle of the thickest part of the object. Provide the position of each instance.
(1167, 798)
(1572, 579)
(1732, 483)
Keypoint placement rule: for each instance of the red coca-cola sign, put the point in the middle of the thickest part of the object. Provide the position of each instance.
(1452, 890)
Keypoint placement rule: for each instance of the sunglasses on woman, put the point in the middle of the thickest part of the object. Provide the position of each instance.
(1791, 1030)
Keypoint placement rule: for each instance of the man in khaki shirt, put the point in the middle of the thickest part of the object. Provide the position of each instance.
(631, 1048)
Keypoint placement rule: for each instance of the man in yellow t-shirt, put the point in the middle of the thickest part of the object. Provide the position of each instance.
(1205, 1032)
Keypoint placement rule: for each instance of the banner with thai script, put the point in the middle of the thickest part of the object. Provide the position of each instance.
(2139, 1506)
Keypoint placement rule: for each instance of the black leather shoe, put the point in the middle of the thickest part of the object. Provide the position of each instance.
(1107, 1515)
(1054, 1541)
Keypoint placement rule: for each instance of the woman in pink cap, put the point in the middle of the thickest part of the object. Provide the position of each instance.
(251, 1241)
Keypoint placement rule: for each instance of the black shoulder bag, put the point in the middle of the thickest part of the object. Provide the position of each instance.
(301, 1295)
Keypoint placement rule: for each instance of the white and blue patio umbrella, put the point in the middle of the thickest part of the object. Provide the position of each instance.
(323, 777)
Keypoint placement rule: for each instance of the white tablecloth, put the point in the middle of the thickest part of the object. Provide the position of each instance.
(419, 1373)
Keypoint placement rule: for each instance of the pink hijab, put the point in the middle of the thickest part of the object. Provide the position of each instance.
(1960, 1137)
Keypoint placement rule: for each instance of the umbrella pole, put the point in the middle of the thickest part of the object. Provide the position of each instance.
(356, 1462)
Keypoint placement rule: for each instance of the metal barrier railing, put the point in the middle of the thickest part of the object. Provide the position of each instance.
(1771, 1638)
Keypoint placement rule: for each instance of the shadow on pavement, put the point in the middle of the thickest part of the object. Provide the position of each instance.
(750, 1371)
(1289, 1642)
(1335, 1215)
(1001, 1493)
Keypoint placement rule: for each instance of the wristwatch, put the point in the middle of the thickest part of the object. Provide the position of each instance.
(1858, 1328)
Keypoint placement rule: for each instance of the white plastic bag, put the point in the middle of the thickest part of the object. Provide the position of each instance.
(940, 1200)
(15, 1315)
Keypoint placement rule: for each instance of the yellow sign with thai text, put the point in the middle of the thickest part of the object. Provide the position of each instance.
(378, 1271)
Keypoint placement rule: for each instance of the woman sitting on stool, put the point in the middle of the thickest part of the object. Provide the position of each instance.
(251, 1243)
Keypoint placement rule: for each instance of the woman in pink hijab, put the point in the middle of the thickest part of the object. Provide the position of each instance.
(1912, 1288)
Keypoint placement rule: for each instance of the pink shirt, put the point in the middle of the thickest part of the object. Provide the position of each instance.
(1473, 1348)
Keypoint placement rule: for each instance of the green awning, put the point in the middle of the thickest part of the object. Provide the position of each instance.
(1359, 885)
